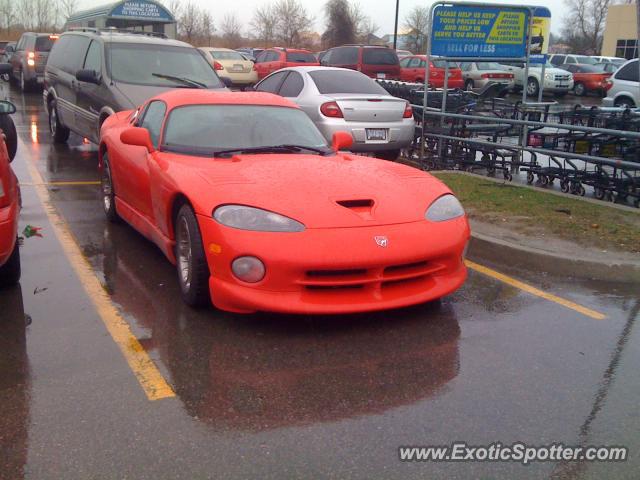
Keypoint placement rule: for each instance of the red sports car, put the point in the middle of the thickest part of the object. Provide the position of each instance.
(412, 69)
(9, 211)
(242, 193)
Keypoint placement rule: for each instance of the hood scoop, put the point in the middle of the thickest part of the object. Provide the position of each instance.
(362, 207)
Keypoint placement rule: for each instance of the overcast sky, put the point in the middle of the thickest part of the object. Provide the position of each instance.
(382, 12)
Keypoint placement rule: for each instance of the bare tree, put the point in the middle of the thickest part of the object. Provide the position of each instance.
(190, 21)
(206, 26)
(416, 23)
(175, 7)
(8, 14)
(231, 28)
(292, 21)
(365, 27)
(264, 24)
(25, 14)
(582, 29)
(67, 8)
(340, 26)
(45, 15)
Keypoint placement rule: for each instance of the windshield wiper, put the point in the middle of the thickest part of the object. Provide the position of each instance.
(185, 81)
(286, 148)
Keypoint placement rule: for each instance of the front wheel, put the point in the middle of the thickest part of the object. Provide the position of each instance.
(59, 132)
(10, 271)
(108, 192)
(532, 87)
(191, 262)
(579, 89)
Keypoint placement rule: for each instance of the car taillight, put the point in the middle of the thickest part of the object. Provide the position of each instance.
(31, 55)
(485, 75)
(608, 83)
(408, 111)
(331, 109)
(217, 66)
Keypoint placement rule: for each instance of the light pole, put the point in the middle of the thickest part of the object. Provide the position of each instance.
(395, 28)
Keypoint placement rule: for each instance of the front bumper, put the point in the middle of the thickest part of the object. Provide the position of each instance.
(334, 271)
(400, 134)
(556, 87)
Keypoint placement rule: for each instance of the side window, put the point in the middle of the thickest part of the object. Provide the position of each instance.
(415, 62)
(272, 83)
(274, 56)
(94, 57)
(56, 57)
(344, 56)
(74, 54)
(292, 85)
(152, 121)
(261, 56)
(628, 72)
(404, 63)
(570, 60)
(557, 60)
(20, 45)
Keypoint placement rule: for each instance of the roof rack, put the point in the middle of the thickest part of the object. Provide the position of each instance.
(126, 31)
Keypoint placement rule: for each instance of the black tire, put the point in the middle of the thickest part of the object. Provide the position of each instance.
(468, 85)
(624, 102)
(9, 129)
(108, 192)
(191, 262)
(59, 132)
(10, 271)
(532, 87)
(579, 89)
(388, 154)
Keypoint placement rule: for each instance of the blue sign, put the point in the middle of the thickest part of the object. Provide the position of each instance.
(464, 31)
(142, 10)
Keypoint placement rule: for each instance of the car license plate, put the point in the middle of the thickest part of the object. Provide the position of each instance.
(381, 75)
(237, 68)
(376, 133)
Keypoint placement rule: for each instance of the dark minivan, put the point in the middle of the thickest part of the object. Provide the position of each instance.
(376, 62)
(30, 57)
(92, 74)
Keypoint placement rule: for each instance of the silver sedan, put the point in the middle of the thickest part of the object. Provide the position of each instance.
(339, 99)
(477, 75)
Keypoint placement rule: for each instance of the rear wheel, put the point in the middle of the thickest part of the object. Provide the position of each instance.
(624, 102)
(10, 271)
(388, 154)
(9, 130)
(468, 85)
(59, 132)
(191, 262)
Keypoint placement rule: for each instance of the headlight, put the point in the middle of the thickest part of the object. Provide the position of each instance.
(444, 208)
(548, 76)
(255, 219)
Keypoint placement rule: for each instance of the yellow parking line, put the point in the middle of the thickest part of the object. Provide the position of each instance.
(60, 184)
(150, 378)
(534, 291)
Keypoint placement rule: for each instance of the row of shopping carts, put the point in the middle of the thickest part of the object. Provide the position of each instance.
(580, 148)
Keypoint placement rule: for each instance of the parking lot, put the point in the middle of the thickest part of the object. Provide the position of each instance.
(110, 375)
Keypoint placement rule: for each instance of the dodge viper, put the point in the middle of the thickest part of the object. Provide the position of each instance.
(258, 213)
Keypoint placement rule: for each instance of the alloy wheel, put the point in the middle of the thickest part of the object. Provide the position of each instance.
(184, 252)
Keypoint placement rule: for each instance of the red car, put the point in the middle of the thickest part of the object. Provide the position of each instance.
(373, 61)
(412, 69)
(242, 193)
(9, 211)
(268, 61)
(588, 78)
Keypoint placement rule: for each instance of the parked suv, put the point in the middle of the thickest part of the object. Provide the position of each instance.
(556, 80)
(272, 59)
(561, 59)
(92, 73)
(30, 57)
(622, 87)
(376, 62)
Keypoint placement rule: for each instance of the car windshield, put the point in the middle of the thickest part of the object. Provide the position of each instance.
(224, 55)
(345, 81)
(489, 66)
(153, 64)
(590, 68)
(379, 56)
(301, 57)
(207, 129)
(584, 60)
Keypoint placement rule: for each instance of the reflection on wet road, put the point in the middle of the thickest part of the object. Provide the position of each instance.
(271, 396)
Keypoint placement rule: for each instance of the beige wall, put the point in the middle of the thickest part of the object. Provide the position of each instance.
(621, 25)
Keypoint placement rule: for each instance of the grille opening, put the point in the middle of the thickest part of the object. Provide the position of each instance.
(334, 287)
(393, 283)
(356, 204)
(406, 266)
(336, 273)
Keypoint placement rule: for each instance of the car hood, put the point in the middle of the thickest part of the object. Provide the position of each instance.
(132, 96)
(321, 192)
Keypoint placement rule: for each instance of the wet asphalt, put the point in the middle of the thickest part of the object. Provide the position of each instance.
(268, 396)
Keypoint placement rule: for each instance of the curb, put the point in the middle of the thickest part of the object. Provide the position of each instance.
(497, 250)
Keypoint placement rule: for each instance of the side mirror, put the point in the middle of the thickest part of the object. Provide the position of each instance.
(88, 76)
(341, 141)
(137, 136)
(7, 107)
(5, 68)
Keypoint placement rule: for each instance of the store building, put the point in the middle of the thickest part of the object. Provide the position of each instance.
(620, 32)
(146, 15)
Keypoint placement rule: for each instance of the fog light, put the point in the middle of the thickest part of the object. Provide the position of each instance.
(248, 269)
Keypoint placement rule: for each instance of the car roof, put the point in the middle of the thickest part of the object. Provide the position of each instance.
(180, 96)
(315, 68)
(218, 49)
(124, 37)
